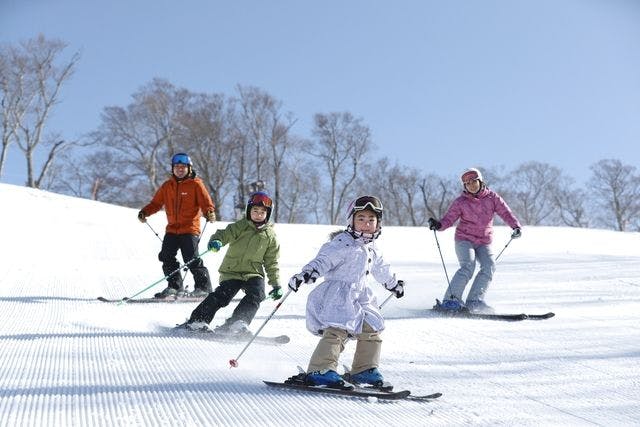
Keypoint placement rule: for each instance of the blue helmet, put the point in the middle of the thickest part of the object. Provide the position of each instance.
(181, 159)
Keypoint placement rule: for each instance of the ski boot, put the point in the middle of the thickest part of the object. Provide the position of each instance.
(449, 306)
(328, 378)
(198, 293)
(168, 292)
(240, 329)
(477, 306)
(371, 377)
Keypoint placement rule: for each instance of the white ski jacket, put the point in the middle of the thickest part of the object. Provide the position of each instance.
(344, 300)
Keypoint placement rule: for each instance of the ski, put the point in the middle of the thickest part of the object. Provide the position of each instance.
(350, 392)
(171, 299)
(464, 313)
(210, 334)
(384, 387)
(388, 388)
(514, 317)
(348, 389)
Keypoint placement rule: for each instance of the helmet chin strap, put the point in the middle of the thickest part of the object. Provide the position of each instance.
(367, 237)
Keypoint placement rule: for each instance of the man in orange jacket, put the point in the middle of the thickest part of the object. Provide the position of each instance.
(184, 197)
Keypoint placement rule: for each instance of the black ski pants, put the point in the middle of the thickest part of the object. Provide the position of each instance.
(188, 245)
(222, 296)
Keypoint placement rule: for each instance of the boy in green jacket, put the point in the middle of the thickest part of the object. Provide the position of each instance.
(253, 250)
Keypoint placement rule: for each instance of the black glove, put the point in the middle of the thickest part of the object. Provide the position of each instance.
(434, 224)
(516, 233)
(211, 216)
(397, 289)
(307, 277)
(276, 293)
(142, 217)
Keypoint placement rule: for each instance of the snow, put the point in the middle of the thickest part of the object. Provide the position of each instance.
(67, 359)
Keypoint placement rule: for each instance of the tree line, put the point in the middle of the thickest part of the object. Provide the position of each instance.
(241, 140)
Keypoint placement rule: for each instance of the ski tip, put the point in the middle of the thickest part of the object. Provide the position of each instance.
(427, 396)
(548, 315)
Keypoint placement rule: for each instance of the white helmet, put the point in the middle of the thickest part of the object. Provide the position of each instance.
(471, 173)
(362, 203)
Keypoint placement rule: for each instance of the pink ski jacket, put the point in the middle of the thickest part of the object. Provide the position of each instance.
(476, 212)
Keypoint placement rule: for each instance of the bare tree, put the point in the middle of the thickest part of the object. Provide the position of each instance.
(617, 194)
(264, 133)
(398, 188)
(300, 198)
(33, 74)
(437, 194)
(13, 100)
(144, 134)
(570, 205)
(530, 192)
(207, 135)
(100, 177)
(342, 143)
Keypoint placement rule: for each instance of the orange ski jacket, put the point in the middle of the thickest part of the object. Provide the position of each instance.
(184, 201)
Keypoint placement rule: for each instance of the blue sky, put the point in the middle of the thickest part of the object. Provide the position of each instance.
(443, 85)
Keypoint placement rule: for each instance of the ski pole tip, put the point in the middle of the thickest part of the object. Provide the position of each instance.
(233, 363)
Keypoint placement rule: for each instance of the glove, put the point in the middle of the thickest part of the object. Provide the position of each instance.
(142, 217)
(307, 277)
(397, 289)
(276, 293)
(214, 245)
(516, 233)
(434, 224)
(211, 216)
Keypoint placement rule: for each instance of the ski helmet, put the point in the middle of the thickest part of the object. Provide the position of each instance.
(471, 174)
(362, 203)
(180, 159)
(259, 198)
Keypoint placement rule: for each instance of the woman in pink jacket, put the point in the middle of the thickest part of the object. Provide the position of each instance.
(475, 208)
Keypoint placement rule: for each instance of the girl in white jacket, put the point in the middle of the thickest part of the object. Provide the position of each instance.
(343, 306)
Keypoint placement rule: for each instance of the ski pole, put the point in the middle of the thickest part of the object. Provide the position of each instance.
(185, 267)
(154, 231)
(442, 258)
(161, 241)
(385, 301)
(505, 247)
(234, 362)
(165, 277)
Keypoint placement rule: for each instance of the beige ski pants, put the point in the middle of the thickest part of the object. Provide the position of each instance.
(332, 343)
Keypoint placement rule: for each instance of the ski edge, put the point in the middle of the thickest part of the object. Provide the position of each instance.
(355, 392)
(511, 317)
(151, 300)
(209, 334)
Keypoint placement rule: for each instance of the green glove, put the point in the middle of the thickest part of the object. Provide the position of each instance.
(214, 245)
(276, 293)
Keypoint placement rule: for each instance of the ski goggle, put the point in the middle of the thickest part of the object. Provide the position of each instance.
(180, 159)
(469, 177)
(367, 202)
(260, 199)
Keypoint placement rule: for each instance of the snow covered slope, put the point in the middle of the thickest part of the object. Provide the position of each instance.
(67, 359)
